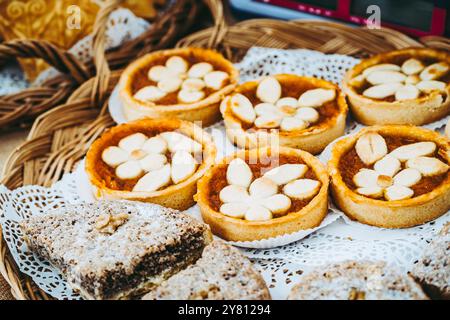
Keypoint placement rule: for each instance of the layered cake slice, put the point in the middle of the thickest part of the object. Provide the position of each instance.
(116, 250)
(222, 273)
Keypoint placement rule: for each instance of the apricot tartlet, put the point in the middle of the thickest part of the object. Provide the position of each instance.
(150, 160)
(185, 83)
(392, 176)
(408, 86)
(286, 110)
(263, 193)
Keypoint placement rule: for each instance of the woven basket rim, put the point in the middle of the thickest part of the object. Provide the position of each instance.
(46, 144)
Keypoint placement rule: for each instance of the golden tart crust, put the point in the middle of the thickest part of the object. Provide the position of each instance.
(205, 110)
(405, 213)
(313, 139)
(177, 196)
(428, 107)
(309, 215)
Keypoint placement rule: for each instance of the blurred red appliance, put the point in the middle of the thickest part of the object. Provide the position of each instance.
(415, 17)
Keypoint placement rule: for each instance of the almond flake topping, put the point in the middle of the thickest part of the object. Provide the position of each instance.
(285, 113)
(405, 82)
(176, 75)
(260, 199)
(388, 178)
(143, 158)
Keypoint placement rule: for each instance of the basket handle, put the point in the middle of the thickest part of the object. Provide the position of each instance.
(103, 73)
(220, 25)
(62, 60)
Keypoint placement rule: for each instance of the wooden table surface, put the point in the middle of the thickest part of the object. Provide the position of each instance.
(9, 141)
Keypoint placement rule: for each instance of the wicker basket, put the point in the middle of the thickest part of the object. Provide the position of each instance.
(60, 137)
(20, 108)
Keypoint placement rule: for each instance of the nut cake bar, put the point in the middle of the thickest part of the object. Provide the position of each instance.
(432, 270)
(222, 273)
(116, 250)
(357, 280)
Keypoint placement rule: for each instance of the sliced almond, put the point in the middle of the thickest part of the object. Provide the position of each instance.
(216, 79)
(414, 79)
(193, 84)
(234, 209)
(268, 121)
(242, 108)
(287, 102)
(434, 71)
(263, 188)
(113, 156)
(427, 166)
(307, 114)
(366, 178)
(129, 170)
(286, 173)
(407, 92)
(293, 124)
(412, 66)
(239, 173)
(382, 91)
(153, 161)
(149, 93)
(187, 96)
(372, 192)
(316, 97)
(269, 90)
(407, 177)
(157, 73)
(179, 142)
(155, 144)
(234, 193)
(169, 84)
(380, 67)
(414, 150)
(137, 154)
(278, 203)
(431, 85)
(264, 108)
(396, 192)
(388, 166)
(371, 147)
(183, 166)
(385, 76)
(199, 70)
(302, 188)
(258, 213)
(384, 181)
(133, 142)
(177, 64)
(154, 180)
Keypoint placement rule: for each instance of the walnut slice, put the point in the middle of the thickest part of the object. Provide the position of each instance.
(108, 223)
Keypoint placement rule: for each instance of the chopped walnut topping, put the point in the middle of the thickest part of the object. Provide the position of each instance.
(107, 223)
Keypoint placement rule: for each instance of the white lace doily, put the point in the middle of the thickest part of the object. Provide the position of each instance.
(280, 266)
